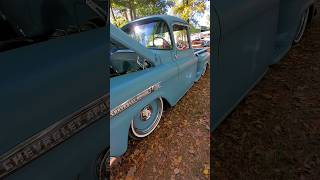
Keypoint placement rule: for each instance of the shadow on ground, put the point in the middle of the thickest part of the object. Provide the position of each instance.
(275, 132)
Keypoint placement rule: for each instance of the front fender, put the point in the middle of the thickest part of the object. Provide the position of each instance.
(120, 124)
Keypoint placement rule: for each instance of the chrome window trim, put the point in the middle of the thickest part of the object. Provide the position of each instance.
(173, 37)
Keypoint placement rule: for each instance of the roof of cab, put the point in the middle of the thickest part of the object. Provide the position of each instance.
(167, 18)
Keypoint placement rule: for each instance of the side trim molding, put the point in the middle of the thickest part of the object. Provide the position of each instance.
(54, 135)
(128, 103)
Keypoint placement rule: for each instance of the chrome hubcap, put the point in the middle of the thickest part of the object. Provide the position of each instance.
(146, 113)
(147, 119)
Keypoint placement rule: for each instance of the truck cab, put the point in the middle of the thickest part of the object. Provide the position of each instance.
(152, 64)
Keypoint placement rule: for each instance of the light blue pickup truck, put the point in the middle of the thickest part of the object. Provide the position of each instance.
(152, 65)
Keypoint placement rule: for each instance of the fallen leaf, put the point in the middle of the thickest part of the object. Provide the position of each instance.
(191, 151)
(129, 178)
(206, 171)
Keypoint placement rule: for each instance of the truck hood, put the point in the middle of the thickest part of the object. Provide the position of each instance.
(118, 36)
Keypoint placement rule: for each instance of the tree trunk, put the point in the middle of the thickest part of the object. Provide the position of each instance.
(129, 15)
(125, 14)
(113, 16)
(187, 4)
(134, 11)
(130, 10)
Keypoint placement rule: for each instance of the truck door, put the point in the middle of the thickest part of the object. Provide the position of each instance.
(43, 88)
(184, 56)
(244, 40)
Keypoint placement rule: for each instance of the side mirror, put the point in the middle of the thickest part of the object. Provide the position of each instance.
(142, 63)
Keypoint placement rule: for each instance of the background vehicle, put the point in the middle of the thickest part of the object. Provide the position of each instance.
(152, 65)
(52, 89)
(201, 39)
(253, 36)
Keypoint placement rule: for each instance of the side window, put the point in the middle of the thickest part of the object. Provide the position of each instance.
(161, 39)
(180, 34)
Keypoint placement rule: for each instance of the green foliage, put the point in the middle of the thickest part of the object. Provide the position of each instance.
(128, 10)
(120, 21)
(187, 9)
(123, 11)
(153, 7)
(194, 30)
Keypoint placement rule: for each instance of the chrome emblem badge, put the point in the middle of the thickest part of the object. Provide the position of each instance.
(125, 105)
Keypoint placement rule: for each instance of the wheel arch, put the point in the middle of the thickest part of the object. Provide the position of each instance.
(313, 12)
(166, 103)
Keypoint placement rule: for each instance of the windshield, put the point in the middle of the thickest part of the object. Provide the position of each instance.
(154, 35)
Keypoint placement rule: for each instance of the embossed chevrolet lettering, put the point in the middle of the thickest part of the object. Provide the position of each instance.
(53, 136)
(134, 100)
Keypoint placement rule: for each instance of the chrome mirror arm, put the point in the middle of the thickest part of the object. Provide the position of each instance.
(140, 64)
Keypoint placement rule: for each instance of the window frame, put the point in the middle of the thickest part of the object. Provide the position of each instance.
(188, 36)
(152, 21)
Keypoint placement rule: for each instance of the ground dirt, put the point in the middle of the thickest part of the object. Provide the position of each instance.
(274, 133)
(180, 146)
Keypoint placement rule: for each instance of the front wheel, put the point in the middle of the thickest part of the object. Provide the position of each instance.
(145, 122)
(302, 26)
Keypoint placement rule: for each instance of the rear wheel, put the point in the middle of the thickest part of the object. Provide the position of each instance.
(145, 122)
(302, 26)
(103, 168)
(204, 69)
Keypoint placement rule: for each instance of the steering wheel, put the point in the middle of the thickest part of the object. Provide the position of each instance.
(165, 44)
